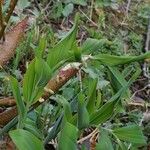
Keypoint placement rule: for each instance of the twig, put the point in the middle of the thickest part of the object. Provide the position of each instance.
(138, 104)
(80, 79)
(148, 37)
(146, 70)
(1, 15)
(88, 18)
(47, 6)
(10, 10)
(91, 12)
(139, 91)
(1, 18)
(127, 8)
(7, 102)
(126, 13)
(12, 5)
(39, 7)
(88, 136)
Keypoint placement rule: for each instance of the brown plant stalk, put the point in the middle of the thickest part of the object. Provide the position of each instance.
(52, 87)
(13, 37)
(7, 102)
(1, 18)
(10, 10)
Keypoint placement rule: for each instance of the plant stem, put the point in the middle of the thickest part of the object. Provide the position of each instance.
(1, 18)
(10, 10)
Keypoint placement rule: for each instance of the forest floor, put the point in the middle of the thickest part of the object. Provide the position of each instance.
(124, 24)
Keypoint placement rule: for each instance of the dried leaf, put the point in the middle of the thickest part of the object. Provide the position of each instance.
(12, 39)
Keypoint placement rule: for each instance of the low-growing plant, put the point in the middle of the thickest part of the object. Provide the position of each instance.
(89, 110)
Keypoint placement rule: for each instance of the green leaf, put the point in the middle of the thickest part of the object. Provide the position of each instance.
(31, 126)
(19, 101)
(120, 145)
(66, 107)
(131, 133)
(61, 52)
(91, 95)
(25, 140)
(83, 115)
(92, 45)
(113, 60)
(68, 137)
(135, 75)
(35, 79)
(103, 114)
(39, 51)
(106, 111)
(23, 4)
(104, 142)
(54, 131)
(117, 80)
(77, 53)
(68, 10)
(99, 100)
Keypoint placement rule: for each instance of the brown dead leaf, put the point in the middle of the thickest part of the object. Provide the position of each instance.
(12, 39)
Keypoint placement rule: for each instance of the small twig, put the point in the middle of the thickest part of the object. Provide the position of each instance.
(138, 91)
(10, 10)
(88, 136)
(146, 70)
(91, 12)
(143, 105)
(1, 18)
(39, 7)
(47, 6)
(148, 37)
(7, 102)
(88, 18)
(126, 13)
(128, 6)
(80, 79)
(1, 14)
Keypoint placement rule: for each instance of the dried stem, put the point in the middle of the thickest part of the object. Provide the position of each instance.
(14, 36)
(146, 71)
(53, 86)
(88, 136)
(147, 43)
(128, 6)
(1, 14)
(10, 10)
(7, 102)
(1, 18)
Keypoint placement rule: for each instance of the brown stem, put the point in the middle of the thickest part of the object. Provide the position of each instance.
(1, 18)
(14, 36)
(1, 14)
(10, 10)
(7, 115)
(7, 102)
(12, 5)
(53, 86)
